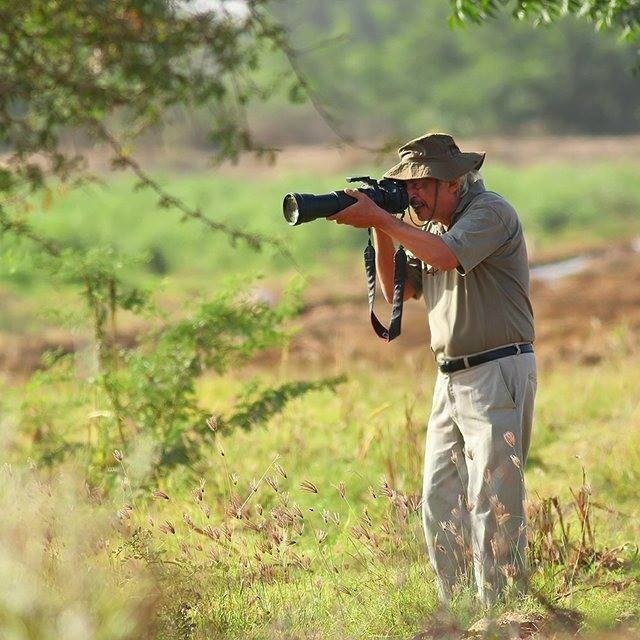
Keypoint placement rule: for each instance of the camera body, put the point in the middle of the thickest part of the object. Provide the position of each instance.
(390, 195)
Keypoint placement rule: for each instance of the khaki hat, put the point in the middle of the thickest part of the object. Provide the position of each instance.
(435, 155)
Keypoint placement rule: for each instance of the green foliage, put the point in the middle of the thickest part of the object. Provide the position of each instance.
(157, 383)
(129, 62)
(94, 59)
(397, 70)
(125, 65)
(621, 15)
(148, 390)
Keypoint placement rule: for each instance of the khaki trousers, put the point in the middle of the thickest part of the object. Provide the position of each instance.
(477, 442)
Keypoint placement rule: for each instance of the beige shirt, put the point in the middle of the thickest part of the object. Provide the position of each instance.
(484, 303)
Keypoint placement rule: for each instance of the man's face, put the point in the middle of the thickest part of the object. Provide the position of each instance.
(431, 201)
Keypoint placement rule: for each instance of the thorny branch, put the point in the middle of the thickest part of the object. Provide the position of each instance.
(22, 229)
(292, 56)
(122, 158)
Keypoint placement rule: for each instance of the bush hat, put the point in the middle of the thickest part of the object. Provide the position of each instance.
(435, 155)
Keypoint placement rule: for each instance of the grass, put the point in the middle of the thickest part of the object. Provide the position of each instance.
(323, 548)
(328, 543)
(556, 203)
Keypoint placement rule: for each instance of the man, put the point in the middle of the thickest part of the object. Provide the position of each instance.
(469, 260)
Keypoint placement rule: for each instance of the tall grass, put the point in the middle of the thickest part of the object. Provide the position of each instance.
(308, 526)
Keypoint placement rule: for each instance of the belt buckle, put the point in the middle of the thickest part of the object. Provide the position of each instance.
(445, 363)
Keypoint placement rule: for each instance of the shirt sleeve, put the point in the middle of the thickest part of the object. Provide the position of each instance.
(474, 237)
(414, 274)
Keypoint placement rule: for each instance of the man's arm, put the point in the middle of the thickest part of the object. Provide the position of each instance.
(429, 247)
(385, 251)
(426, 246)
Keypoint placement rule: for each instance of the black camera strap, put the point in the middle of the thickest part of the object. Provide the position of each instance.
(399, 276)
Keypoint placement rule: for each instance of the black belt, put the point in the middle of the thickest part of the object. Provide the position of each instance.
(456, 364)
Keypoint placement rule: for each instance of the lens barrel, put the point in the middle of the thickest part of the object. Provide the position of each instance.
(305, 207)
(390, 195)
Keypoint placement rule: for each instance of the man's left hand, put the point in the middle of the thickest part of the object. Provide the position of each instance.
(362, 214)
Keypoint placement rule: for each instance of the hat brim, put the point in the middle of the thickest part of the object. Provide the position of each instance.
(449, 169)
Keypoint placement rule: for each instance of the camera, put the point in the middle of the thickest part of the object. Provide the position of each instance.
(390, 195)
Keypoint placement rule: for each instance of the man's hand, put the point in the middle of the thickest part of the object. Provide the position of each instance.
(361, 214)
(426, 246)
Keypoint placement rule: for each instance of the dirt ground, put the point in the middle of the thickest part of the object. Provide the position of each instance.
(579, 318)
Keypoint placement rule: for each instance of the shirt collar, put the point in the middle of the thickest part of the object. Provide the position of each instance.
(475, 188)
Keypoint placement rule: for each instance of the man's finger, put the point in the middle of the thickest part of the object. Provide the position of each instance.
(354, 194)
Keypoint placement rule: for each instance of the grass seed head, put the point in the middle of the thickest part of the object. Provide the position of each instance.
(158, 494)
(509, 570)
(125, 512)
(308, 486)
(497, 506)
(188, 521)
(272, 481)
(253, 526)
(284, 498)
(212, 423)
(414, 501)
(118, 455)
(234, 507)
(386, 489)
(167, 527)
(212, 532)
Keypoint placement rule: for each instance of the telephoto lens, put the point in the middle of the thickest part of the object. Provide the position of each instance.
(388, 194)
